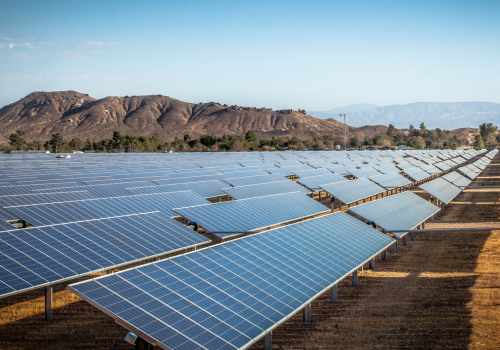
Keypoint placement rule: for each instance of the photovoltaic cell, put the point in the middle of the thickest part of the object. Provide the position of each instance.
(230, 295)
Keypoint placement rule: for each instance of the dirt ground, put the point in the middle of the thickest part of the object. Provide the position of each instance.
(440, 292)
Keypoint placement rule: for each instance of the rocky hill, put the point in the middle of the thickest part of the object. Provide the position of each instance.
(73, 114)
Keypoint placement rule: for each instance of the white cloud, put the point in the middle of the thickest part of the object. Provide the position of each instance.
(95, 43)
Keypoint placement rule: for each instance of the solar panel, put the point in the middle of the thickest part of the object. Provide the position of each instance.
(468, 172)
(180, 180)
(245, 172)
(387, 168)
(443, 166)
(265, 189)
(230, 295)
(206, 189)
(288, 170)
(35, 257)
(353, 190)
(314, 182)
(253, 180)
(416, 174)
(63, 212)
(312, 172)
(391, 180)
(364, 172)
(99, 191)
(253, 213)
(4, 225)
(457, 179)
(397, 212)
(340, 169)
(441, 189)
(431, 169)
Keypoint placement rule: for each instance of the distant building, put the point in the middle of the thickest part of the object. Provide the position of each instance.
(377, 148)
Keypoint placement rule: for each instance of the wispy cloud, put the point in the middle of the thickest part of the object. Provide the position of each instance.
(95, 43)
(39, 45)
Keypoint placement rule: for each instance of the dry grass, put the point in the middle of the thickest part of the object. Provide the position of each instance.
(440, 292)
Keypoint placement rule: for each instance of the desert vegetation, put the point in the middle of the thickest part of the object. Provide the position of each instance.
(418, 138)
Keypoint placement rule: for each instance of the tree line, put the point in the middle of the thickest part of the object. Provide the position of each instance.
(421, 138)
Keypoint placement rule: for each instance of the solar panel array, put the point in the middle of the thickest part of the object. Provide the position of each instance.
(35, 257)
(253, 213)
(402, 211)
(390, 181)
(63, 212)
(351, 191)
(253, 180)
(230, 295)
(416, 174)
(364, 172)
(206, 189)
(314, 182)
(457, 179)
(265, 189)
(441, 189)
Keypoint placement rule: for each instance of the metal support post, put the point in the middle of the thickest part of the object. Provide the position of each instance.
(307, 313)
(156, 258)
(49, 302)
(355, 278)
(404, 241)
(141, 344)
(371, 264)
(335, 295)
(423, 226)
(384, 254)
(109, 271)
(268, 341)
(412, 236)
(333, 207)
(319, 193)
(219, 199)
(396, 246)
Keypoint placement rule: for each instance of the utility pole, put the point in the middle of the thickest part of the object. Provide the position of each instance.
(345, 134)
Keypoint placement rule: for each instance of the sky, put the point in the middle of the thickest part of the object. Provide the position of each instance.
(313, 55)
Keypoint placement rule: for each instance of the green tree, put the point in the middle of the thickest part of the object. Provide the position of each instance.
(16, 141)
(208, 140)
(56, 141)
(368, 141)
(478, 141)
(251, 136)
(355, 142)
(187, 138)
(77, 144)
(393, 133)
(416, 142)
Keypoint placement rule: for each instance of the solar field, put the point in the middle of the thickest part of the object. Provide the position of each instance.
(199, 251)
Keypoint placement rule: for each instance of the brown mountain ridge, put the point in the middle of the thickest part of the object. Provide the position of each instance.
(73, 114)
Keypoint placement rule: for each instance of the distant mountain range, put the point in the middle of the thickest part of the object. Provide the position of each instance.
(73, 114)
(444, 115)
(334, 113)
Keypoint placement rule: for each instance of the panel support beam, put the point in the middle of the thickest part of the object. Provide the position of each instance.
(395, 246)
(49, 303)
(307, 313)
(355, 281)
(371, 264)
(268, 341)
(404, 241)
(335, 294)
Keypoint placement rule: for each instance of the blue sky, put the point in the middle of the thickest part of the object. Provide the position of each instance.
(314, 55)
